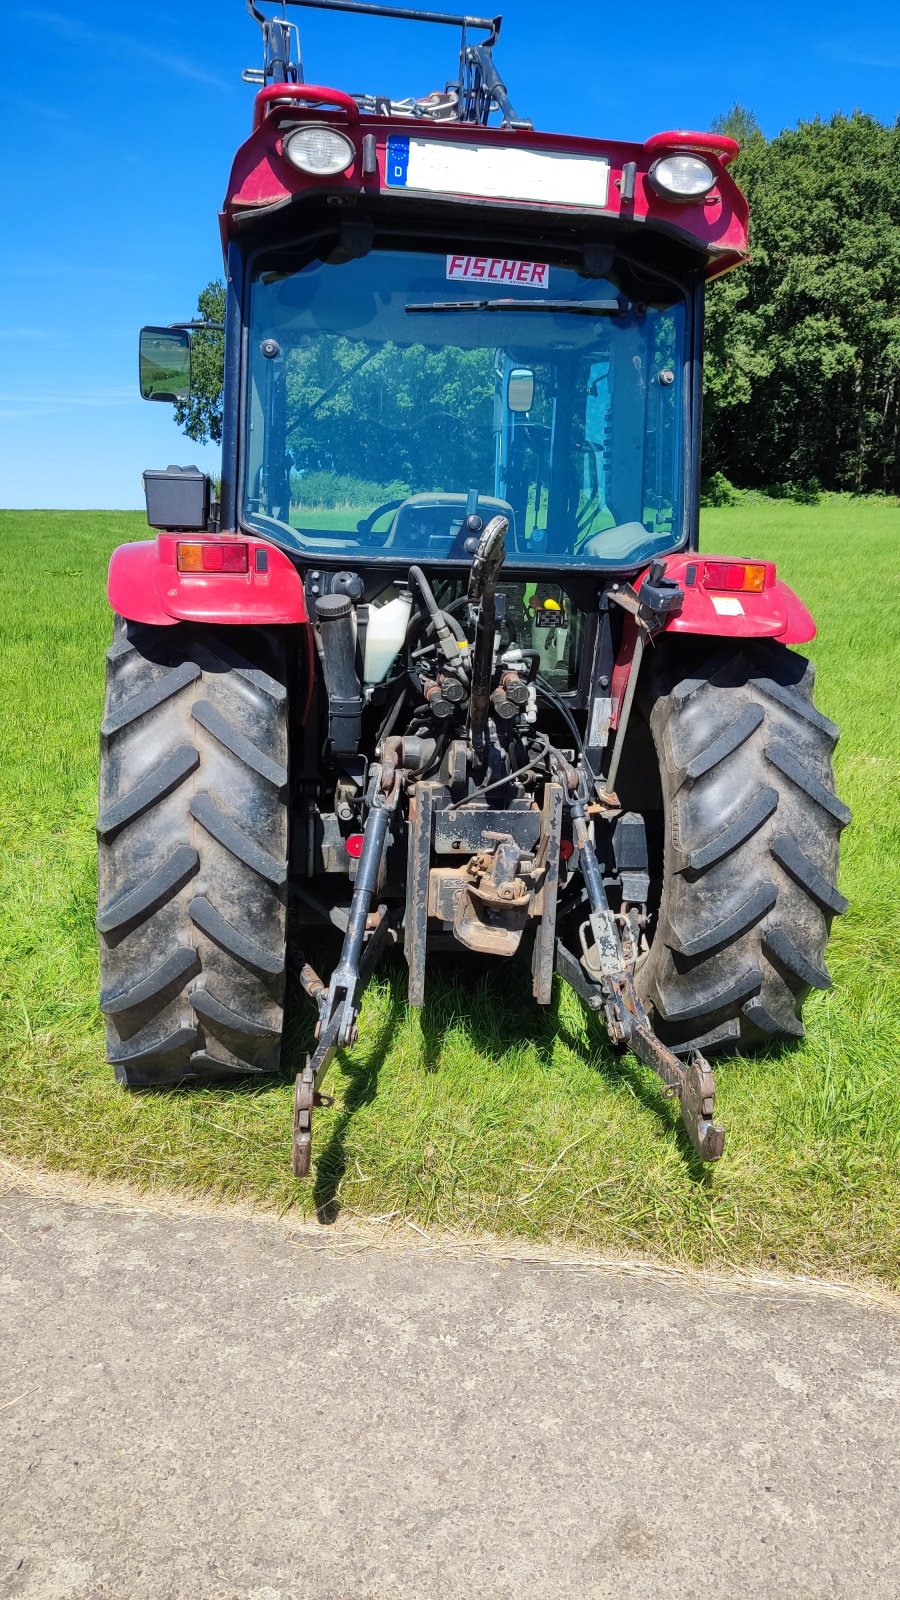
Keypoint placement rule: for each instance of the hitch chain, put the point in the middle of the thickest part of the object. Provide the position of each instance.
(627, 1022)
(339, 1004)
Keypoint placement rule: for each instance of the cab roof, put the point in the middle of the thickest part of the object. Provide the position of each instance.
(477, 179)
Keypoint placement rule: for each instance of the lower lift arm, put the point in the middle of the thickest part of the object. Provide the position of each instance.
(364, 942)
(606, 982)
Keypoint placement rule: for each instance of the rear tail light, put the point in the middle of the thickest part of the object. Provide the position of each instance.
(213, 558)
(750, 576)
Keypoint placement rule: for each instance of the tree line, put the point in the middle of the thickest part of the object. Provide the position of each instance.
(803, 344)
(802, 385)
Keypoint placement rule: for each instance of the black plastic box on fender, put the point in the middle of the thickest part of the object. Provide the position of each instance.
(177, 498)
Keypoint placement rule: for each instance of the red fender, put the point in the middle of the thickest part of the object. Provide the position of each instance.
(776, 612)
(144, 584)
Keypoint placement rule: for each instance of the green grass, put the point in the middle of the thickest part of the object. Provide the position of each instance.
(483, 1113)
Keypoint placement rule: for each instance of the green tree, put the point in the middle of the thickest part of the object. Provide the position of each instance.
(735, 353)
(201, 415)
(370, 410)
(803, 377)
(739, 123)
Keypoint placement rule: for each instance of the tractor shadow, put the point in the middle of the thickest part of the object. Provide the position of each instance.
(361, 1088)
(494, 1003)
(361, 1073)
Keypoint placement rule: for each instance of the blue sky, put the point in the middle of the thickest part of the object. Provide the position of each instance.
(118, 126)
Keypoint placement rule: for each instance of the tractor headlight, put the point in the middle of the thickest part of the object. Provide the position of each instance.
(681, 177)
(321, 151)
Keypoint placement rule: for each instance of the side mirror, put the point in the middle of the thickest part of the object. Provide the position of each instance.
(165, 364)
(520, 389)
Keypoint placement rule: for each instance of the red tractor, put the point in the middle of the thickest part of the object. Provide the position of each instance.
(443, 665)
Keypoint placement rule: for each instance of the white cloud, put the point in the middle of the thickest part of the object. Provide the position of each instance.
(122, 43)
(50, 402)
(859, 50)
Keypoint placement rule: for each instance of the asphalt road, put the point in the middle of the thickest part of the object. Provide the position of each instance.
(211, 1409)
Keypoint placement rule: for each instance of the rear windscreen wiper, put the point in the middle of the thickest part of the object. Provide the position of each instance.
(575, 308)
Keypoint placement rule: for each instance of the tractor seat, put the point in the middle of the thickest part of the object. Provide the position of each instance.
(627, 542)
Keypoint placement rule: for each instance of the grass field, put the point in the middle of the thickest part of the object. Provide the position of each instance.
(483, 1113)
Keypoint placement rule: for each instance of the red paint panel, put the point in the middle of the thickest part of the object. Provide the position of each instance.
(262, 177)
(308, 94)
(145, 585)
(716, 144)
(131, 584)
(775, 613)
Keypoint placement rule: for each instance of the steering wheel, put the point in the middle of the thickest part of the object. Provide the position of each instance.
(367, 525)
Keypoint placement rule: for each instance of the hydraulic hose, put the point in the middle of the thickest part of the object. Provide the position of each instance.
(533, 657)
(390, 721)
(415, 626)
(546, 692)
(482, 665)
(443, 626)
(482, 589)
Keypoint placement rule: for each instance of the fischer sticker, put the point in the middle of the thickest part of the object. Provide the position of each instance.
(494, 269)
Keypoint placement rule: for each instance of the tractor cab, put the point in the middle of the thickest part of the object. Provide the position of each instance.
(394, 396)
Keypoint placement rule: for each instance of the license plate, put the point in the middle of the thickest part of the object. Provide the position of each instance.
(496, 173)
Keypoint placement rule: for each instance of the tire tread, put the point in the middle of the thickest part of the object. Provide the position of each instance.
(745, 910)
(191, 902)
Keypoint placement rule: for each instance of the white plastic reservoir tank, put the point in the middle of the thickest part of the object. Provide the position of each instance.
(385, 635)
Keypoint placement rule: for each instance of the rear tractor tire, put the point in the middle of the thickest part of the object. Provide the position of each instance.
(751, 828)
(193, 837)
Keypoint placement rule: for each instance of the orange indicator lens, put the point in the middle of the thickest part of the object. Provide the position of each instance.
(212, 558)
(750, 576)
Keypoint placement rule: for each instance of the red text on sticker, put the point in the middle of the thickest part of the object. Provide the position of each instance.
(493, 269)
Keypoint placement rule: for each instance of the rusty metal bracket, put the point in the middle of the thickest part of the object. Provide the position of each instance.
(694, 1085)
(421, 823)
(627, 1023)
(545, 936)
(304, 1099)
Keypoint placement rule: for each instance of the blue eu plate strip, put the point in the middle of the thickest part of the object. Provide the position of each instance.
(397, 162)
